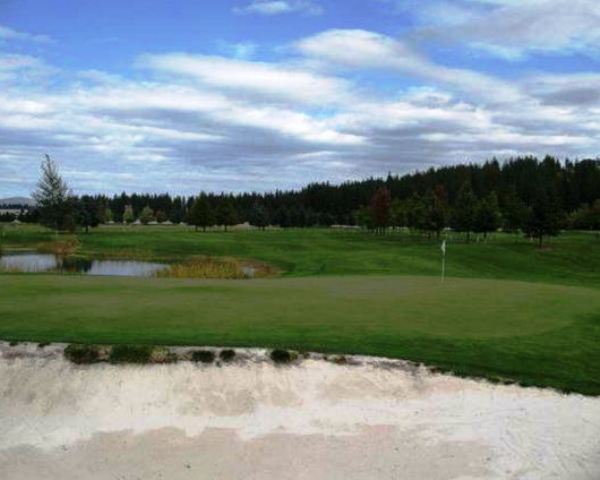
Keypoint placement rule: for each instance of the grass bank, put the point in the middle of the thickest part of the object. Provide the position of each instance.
(572, 258)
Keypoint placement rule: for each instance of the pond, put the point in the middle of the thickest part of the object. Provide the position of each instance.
(33, 262)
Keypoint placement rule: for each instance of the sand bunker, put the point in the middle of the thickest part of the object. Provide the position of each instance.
(253, 420)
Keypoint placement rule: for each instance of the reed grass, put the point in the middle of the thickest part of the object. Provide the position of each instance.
(217, 268)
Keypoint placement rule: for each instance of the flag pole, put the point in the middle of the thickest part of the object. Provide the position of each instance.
(443, 248)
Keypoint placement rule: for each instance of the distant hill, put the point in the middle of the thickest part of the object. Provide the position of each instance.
(30, 202)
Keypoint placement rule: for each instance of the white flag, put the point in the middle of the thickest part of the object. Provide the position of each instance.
(443, 247)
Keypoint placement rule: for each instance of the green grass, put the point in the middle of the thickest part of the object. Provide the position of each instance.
(509, 310)
(536, 333)
(572, 258)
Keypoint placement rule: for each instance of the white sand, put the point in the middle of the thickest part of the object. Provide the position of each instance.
(251, 420)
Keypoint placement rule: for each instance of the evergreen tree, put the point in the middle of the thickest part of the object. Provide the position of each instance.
(201, 214)
(226, 213)
(259, 216)
(435, 212)
(514, 212)
(544, 217)
(464, 211)
(282, 217)
(398, 214)
(147, 215)
(56, 207)
(379, 208)
(128, 215)
(364, 218)
(487, 216)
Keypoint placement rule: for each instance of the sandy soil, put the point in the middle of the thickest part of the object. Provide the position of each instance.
(252, 420)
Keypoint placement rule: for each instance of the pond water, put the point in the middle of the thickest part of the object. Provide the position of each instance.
(32, 262)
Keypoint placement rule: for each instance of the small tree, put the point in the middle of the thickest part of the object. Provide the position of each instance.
(514, 212)
(259, 216)
(226, 213)
(379, 208)
(54, 203)
(108, 215)
(201, 214)
(487, 216)
(282, 217)
(147, 215)
(128, 215)
(464, 211)
(435, 212)
(398, 213)
(544, 217)
(161, 216)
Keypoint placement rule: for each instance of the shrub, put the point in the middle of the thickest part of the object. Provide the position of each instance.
(227, 355)
(204, 356)
(281, 356)
(82, 354)
(131, 354)
(162, 355)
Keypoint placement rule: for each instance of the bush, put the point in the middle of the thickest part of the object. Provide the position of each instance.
(82, 354)
(162, 355)
(204, 356)
(227, 355)
(281, 356)
(131, 354)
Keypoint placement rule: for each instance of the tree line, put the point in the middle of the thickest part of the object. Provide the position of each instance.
(521, 194)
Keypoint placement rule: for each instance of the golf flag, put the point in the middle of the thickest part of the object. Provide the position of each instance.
(443, 247)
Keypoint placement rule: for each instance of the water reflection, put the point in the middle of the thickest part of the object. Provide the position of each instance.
(31, 262)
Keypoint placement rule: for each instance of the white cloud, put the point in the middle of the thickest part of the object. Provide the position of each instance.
(271, 81)
(513, 29)
(278, 7)
(8, 34)
(211, 122)
(364, 49)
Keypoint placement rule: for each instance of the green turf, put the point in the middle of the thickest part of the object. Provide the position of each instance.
(535, 333)
(345, 292)
(572, 258)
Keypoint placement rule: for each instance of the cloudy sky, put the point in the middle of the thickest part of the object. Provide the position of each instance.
(232, 95)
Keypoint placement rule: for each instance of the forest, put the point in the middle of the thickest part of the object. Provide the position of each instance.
(515, 194)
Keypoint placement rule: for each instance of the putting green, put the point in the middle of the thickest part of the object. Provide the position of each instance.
(535, 333)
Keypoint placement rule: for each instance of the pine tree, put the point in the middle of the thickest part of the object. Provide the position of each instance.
(463, 213)
(379, 208)
(258, 216)
(226, 213)
(487, 216)
(201, 214)
(544, 216)
(147, 215)
(55, 205)
(128, 215)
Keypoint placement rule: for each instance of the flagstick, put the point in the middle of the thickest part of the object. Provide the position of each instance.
(443, 267)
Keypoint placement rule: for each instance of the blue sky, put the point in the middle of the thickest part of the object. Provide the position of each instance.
(237, 95)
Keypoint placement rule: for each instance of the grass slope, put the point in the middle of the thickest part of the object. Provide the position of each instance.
(572, 258)
(342, 291)
(535, 333)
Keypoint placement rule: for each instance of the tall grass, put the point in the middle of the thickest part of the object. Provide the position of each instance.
(217, 268)
(60, 248)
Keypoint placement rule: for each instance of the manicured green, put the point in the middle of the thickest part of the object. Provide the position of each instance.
(507, 311)
(532, 332)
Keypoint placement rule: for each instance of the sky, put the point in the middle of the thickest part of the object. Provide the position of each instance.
(257, 95)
